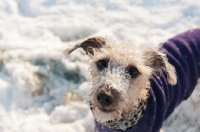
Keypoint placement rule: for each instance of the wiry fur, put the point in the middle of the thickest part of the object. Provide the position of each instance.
(115, 76)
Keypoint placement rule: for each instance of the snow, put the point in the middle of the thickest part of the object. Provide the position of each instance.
(40, 90)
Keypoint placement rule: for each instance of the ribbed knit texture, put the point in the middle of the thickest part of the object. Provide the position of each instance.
(183, 52)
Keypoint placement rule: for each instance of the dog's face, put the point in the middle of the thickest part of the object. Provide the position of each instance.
(119, 75)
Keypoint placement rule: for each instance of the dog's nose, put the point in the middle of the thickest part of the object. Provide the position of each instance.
(104, 99)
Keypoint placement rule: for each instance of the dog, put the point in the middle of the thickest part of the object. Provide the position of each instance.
(135, 87)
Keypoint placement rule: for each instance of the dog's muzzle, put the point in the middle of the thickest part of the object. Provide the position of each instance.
(107, 99)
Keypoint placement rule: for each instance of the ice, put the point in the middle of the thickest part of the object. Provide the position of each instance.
(40, 90)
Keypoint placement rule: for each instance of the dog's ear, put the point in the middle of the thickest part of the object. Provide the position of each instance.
(89, 45)
(158, 61)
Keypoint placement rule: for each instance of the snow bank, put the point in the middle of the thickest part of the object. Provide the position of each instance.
(38, 86)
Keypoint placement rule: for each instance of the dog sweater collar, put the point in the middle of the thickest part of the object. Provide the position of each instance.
(127, 119)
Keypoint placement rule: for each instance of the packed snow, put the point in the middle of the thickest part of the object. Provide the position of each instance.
(43, 91)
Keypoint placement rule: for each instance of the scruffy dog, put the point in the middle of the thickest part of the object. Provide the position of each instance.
(135, 88)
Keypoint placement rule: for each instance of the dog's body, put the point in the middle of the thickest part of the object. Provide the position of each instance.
(122, 82)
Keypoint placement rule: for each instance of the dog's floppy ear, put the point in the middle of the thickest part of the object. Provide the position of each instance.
(158, 61)
(89, 45)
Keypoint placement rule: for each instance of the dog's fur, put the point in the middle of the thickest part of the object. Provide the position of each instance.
(121, 56)
(115, 76)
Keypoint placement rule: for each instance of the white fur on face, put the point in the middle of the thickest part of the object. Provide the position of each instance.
(116, 77)
(132, 90)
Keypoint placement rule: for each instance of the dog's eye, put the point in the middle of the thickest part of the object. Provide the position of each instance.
(102, 64)
(133, 72)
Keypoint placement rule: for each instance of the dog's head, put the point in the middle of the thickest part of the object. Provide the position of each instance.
(119, 74)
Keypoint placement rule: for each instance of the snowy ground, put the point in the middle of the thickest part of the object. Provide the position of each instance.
(38, 87)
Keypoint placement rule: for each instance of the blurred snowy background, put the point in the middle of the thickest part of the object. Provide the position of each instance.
(42, 92)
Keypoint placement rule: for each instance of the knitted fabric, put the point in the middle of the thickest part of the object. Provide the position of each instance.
(183, 52)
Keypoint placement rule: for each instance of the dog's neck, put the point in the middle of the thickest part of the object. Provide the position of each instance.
(128, 119)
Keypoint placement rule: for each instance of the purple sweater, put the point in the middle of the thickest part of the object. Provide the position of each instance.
(183, 52)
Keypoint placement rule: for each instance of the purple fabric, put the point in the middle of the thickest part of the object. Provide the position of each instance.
(183, 52)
